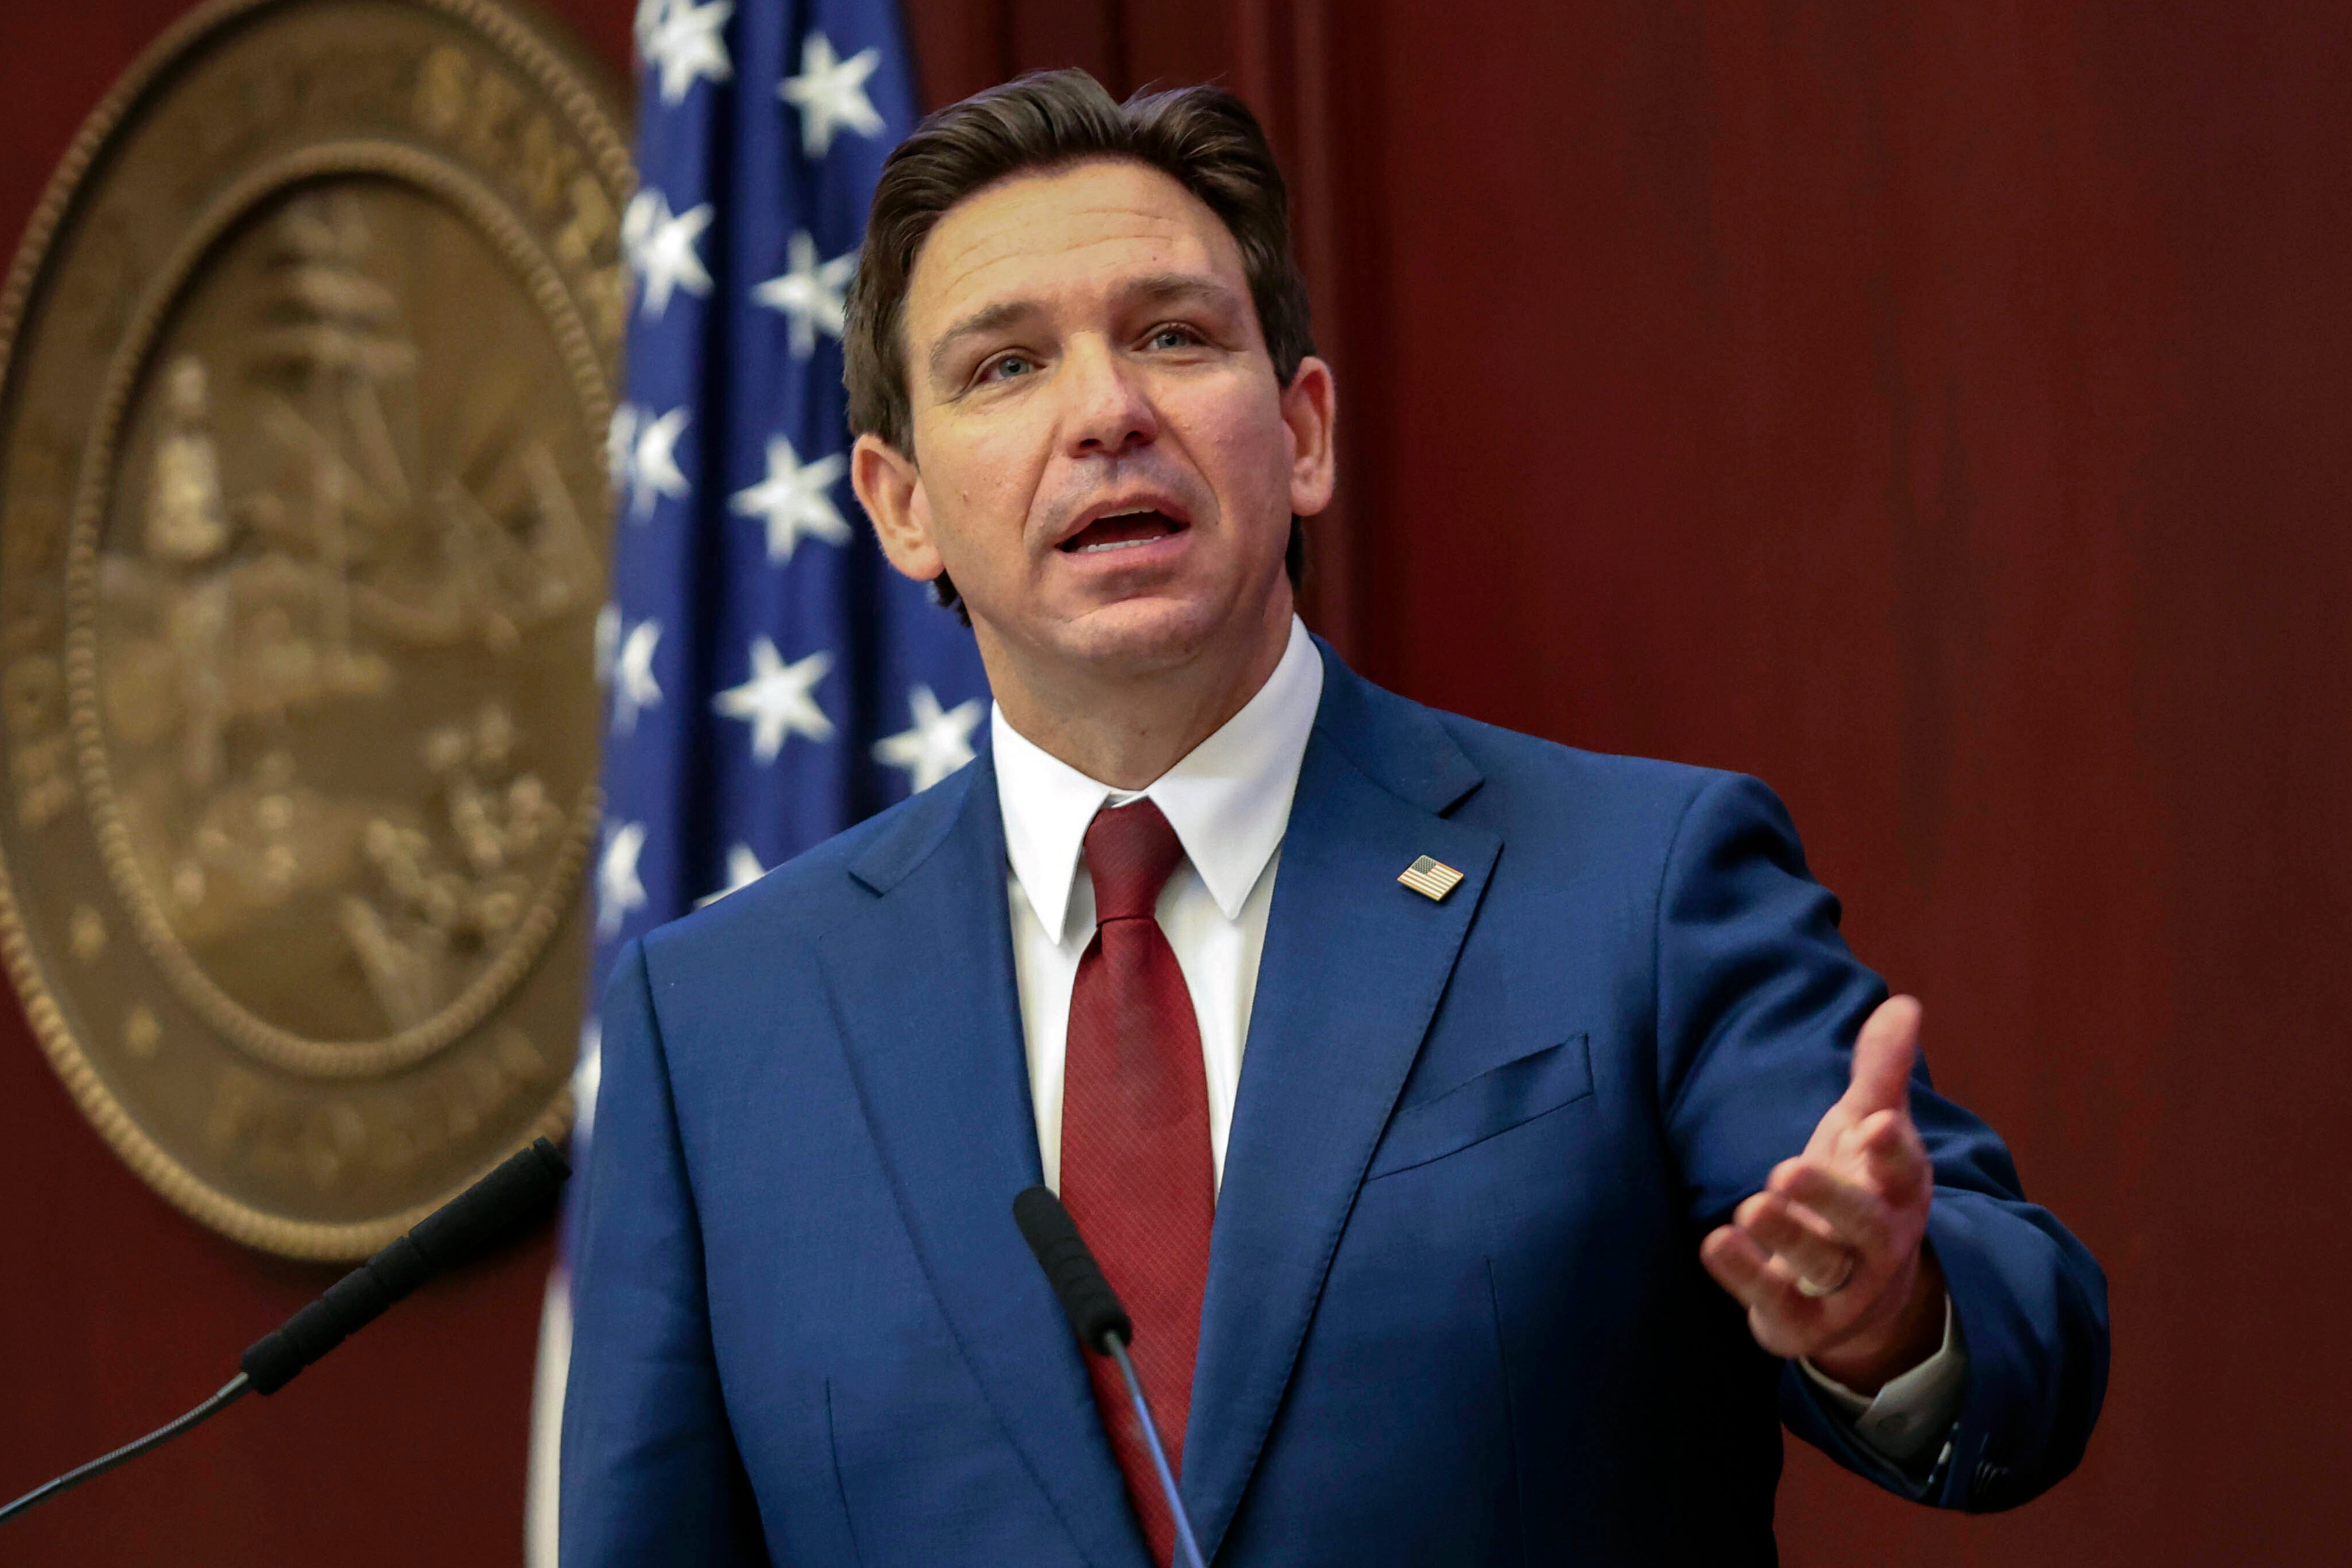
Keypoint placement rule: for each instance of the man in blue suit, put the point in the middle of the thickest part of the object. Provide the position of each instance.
(1495, 1141)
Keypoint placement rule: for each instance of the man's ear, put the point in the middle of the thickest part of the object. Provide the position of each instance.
(1311, 410)
(890, 489)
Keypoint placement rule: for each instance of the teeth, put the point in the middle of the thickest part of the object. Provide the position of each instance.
(1116, 545)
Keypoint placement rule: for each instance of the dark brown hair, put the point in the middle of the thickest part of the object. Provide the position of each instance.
(1203, 138)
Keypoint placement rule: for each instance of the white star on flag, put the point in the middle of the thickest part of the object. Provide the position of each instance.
(830, 92)
(649, 19)
(808, 292)
(661, 245)
(618, 890)
(936, 746)
(633, 674)
(586, 1075)
(778, 700)
(743, 869)
(620, 444)
(653, 470)
(684, 42)
(793, 499)
(608, 642)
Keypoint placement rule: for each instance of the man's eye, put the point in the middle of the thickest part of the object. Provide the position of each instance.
(1005, 369)
(1173, 338)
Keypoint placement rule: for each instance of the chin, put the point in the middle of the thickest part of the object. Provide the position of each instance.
(1143, 633)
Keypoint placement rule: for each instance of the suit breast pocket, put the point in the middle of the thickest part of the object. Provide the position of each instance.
(1493, 1102)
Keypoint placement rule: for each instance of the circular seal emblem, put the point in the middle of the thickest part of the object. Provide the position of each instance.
(308, 355)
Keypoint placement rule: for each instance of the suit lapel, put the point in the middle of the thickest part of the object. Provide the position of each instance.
(1352, 971)
(923, 983)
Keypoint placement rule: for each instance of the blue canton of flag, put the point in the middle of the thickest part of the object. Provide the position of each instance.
(769, 679)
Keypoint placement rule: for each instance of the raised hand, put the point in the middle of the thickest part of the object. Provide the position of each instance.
(1829, 1258)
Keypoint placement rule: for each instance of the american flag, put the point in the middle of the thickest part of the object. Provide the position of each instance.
(769, 680)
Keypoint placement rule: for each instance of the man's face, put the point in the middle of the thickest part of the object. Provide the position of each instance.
(1103, 461)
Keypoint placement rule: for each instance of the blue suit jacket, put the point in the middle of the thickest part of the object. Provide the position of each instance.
(1455, 1313)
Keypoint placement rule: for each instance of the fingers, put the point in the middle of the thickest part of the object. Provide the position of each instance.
(1859, 1215)
(1849, 1215)
(1739, 1265)
(1799, 1239)
(1846, 1213)
(1883, 1055)
(1884, 1154)
(1895, 1158)
(1778, 1315)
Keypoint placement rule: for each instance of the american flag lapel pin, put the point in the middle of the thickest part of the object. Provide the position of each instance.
(1431, 878)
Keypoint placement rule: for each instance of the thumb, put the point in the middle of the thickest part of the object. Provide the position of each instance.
(1883, 1055)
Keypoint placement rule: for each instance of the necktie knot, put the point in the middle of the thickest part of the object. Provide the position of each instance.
(1131, 853)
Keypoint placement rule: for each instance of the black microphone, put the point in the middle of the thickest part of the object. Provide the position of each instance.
(464, 1227)
(520, 1192)
(1102, 1325)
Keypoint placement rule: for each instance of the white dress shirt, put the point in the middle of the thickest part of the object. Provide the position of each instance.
(1229, 801)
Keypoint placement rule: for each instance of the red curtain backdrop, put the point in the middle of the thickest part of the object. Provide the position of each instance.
(1938, 411)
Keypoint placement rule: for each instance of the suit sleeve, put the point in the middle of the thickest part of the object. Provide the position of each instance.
(1758, 1002)
(650, 1472)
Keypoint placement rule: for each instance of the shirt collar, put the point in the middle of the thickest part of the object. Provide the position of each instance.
(1228, 800)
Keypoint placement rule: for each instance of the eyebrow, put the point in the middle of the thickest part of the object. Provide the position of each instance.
(987, 319)
(1176, 288)
(1155, 288)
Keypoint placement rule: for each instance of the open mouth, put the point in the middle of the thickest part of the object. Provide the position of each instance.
(1122, 530)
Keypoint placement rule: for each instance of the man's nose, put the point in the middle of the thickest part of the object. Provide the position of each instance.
(1109, 412)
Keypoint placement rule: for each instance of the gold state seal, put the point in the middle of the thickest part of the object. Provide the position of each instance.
(309, 353)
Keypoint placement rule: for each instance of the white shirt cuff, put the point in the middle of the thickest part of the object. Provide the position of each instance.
(1913, 1413)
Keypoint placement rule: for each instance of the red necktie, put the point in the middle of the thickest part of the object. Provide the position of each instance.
(1135, 1144)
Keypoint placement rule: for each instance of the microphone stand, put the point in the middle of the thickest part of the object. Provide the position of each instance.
(1191, 1553)
(237, 1388)
(1102, 1325)
(517, 1192)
